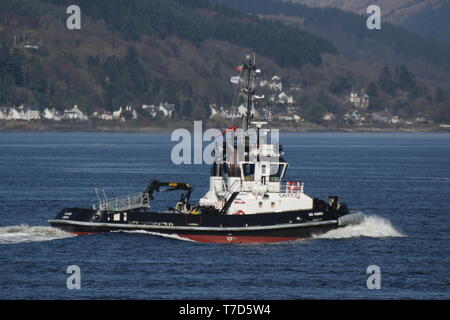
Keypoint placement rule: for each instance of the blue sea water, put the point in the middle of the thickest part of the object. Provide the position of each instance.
(401, 182)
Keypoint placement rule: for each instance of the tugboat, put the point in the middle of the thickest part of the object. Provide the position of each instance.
(248, 200)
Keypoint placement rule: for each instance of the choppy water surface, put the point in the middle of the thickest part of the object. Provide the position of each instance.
(399, 181)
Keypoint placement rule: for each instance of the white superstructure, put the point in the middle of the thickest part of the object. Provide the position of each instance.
(255, 184)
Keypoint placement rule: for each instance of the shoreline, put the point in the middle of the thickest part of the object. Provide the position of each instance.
(137, 127)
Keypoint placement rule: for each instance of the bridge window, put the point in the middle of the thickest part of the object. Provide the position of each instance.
(276, 172)
(248, 170)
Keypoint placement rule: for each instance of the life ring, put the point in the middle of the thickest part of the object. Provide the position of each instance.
(239, 212)
(293, 186)
(289, 187)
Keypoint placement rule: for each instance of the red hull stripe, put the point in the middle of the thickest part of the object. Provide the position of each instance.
(83, 233)
(236, 239)
(222, 239)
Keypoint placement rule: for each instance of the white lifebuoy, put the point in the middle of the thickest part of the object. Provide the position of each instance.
(293, 186)
(289, 187)
(239, 212)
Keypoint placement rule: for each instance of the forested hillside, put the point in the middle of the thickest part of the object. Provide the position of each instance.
(137, 51)
(427, 17)
(399, 39)
(403, 72)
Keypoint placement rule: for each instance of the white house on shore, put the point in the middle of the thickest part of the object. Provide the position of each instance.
(51, 114)
(117, 114)
(239, 112)
(294, 117)
(166, 109)
(133, 112)
(102, 115)
(21, 113)
(328, 116)
(359, 99)
(75, 114)
(16, 114)
(231, 113)
(120, 114)
(274, 84)
(354, 116)
(33, 113)
(3, 113)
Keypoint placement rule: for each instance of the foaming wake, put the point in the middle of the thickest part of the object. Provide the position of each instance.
(170, 236)
(25, 233)
(371, 226)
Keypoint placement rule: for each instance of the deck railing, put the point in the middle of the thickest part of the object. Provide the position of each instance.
(279, 187)
(129, 202)
(291, 187)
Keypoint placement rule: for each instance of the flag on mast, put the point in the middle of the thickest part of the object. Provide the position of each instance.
(239, 68)
(235, 79)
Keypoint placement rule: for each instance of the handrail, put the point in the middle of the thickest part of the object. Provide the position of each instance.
(136, 201)
(291, 187)
(278, 187)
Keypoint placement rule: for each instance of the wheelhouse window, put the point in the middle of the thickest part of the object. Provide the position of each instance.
(276, 171)
(248, 171)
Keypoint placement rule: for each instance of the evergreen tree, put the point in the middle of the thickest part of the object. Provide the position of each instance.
(341, 84)
(440, 95)
(313, 112)
(323, 100)
(187, 108)
(405, 79)
(375, 104)
(385, 81)
(372, 90)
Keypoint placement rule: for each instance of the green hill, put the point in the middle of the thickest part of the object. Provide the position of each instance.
(134, 52)
(406, 43)
(364, 56)
(137, 51)
(427, 17)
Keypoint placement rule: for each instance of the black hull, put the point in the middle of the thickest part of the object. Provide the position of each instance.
(268, 227)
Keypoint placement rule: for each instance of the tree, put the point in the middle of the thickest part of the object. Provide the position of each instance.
(340, 84)
(187, 108)
(442, 113)
(405, 79)
(385, 81)
(372, 90)
(440, 95)
(323, 100)
(11, 75)
(313, 112)
(375, 104)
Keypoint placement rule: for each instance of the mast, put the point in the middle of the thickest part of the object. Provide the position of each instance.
(249, 89)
